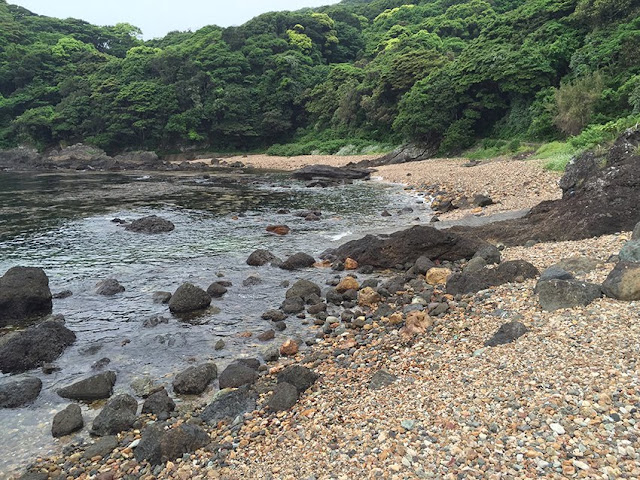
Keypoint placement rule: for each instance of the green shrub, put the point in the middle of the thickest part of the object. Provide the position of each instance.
(575, 101)
(595, 135)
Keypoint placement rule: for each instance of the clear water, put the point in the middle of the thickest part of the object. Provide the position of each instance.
(62, 222)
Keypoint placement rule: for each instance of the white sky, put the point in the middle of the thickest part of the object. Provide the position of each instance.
(158, 17)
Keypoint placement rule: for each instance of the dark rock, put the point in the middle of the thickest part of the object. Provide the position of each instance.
(93, 388)
(252, 363)
(159, 404)
(118, 415)
(334, 297)
(158, 445)
(109, 287)
(154, 321)
(381, 379)
(100, 364)
(578, 264)
(216, 290)
(271, 354)
(411, 152)
(317, 308)
(18, 393)
(274, 315)
(33, 475)
(220, 345)
(236, 375)
(556, 293)
(49, 368)
(101, 448)
(262, 257)
(554, 272)
(161, 297)
(623, 283)
(152, 224)
(385, 213)
(251, 281)
(490, 254)
(422, 265)
(293, 305)
(284, 397)
(194, 380)
(34, 346)
(408, 246)
(507, 333)
(280, 326)
(297, 261)
(267, 335)
(506, 272)
(482, 200)
(311, 172)
(62, 295)
(630, 252)
(228, 404)
(299, 376)
(67, 421)
(303, 289)
(474, 265)
(189, 298)
(24, 293)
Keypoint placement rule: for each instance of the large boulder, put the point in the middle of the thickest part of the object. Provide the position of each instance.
(30, 348)
(410, 152)
(386, 251)
(262, 257)
(623, 283)
(79, 156)
(303, 289)
(189, 298)
(159, 445)
(506, 272)
(24, 293)
(236, 375)
(67, 421)
(118, 415)
(159, 404)
(558, 293)
(18, 393)
(311, 172)
(97, 387)
(228, 404)
(283, 398)
(151, 224)
(109, 287)
(299, 376)
(297, 261)
(195, 379)
(21, 158)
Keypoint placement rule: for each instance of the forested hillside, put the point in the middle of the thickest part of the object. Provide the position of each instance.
(447, 72)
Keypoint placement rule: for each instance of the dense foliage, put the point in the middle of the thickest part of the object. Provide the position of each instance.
(442, 71)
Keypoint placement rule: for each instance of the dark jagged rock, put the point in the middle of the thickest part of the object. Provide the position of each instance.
(623, 283)
(159, 404)
(24, 294)
(490, 254)
(18, 393)
(109, 287)
(36, 345)
(557, 293)
(151, 224)
(507, 333)
(161, 297)
(101, 448)
(158, 445)
(482, 200)
(311, 172)
(274, 315)
(262, 257)
(297, 261)
(299, 376)
(236, 375)
(422, 265)
(216, 290)
(228, 404)
(89, 389)
(154, 321)
(194, 380)
(292, 305)
(506, 272)
(303, 289)
(283, 398)
(118, 415)
(189, 298)
(67, 421)
(411, 152)
(407, 246)
(554, 272)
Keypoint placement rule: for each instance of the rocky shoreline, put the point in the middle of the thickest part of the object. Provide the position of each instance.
(438, 366)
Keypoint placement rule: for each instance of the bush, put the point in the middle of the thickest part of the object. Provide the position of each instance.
(575, 101)
(595, 135)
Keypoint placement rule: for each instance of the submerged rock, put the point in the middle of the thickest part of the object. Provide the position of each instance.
(297, 261)
(24, 293)
(151, 224)
(262, 257)
(109, 287)
(18, 393)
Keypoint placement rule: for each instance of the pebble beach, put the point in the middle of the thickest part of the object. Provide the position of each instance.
(562, 401)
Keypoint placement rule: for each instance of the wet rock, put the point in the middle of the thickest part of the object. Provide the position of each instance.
(490, 254)
(385, 213)
(24, 293)
(154, 321)
(408, 246)
(195, 379)
(280, 326)
(262, 257)
(151, 224)
(252, 363)
(437, 276)
(229, 404)
(18, 393)
(278, 229)
(62, 295)
(299, 376)
(350, 264)
(311, 172)
(93, 388)
(623, 283)
(297, 261)
(289, 348)
(100, 364)
(283, 398)
(219, 345)
(252, 280)
(236, 375)
(293, 305)
(109, 287)
(303, 289)
(554, 272)
(507, 333)
(158, 446)
(216, 290)
(118, 415)
(267, 335)
(271, 354)
(30, 348)
(555, 293)
(67, 421)
(506, 272)
(334, 297)
(161, 297)
(189, 298)
(274, 315)
(159, 404)
(381, 379)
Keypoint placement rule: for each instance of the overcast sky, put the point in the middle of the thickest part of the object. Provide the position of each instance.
(158, 17)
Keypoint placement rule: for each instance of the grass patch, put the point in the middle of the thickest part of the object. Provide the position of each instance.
(556, 154)
(490, 148)
(330, 147)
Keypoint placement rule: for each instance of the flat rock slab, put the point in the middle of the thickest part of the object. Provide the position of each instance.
(557, 293)
(228, 404)
(507, 333)
(97, 387)
(311, 172)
